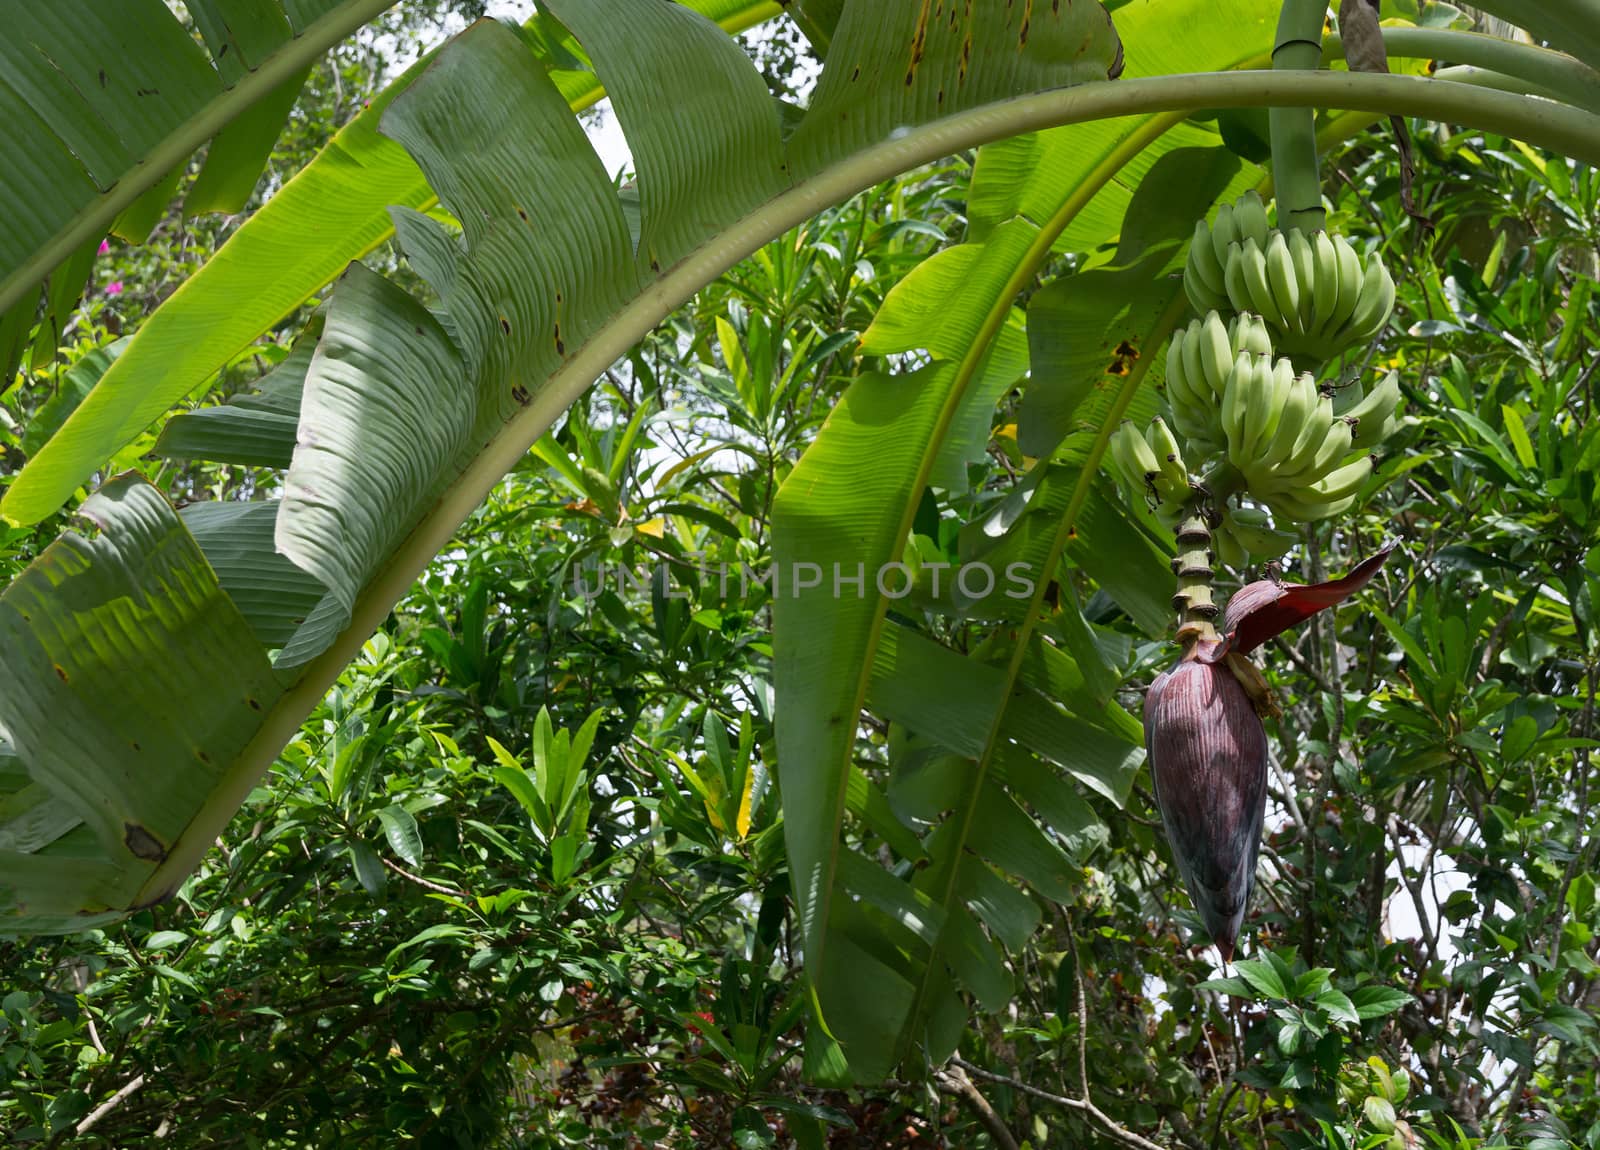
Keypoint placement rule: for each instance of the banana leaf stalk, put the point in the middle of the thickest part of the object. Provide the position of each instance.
(1208, 747)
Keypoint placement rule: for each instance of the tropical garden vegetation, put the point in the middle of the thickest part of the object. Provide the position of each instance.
(499, 651)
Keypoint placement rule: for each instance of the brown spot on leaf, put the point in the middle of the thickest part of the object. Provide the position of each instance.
(505, 325)
(561, 348)
(142, 843)
(102, 77)
(523, 214)
(255, 704)
(521, 395)
(61, 672)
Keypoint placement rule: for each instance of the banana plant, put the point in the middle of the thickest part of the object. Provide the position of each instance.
(108, 101)
(151, 671)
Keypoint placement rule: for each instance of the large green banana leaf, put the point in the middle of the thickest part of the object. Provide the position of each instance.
(404, 418)
(100, 103)
(333, 211)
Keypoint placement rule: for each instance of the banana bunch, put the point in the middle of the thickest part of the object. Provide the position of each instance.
(1314, 290)
(1291, 447)
(1152, 464)
(1199, 360)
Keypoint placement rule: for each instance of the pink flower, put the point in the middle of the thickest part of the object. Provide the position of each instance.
(105, 246)
(114, 287)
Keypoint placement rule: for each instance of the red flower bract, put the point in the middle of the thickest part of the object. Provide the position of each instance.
(1208, 756)
(1208, 748)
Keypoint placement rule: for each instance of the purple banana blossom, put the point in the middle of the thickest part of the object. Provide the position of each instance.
(1208, 748)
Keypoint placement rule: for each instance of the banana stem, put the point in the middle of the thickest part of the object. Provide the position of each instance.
(1294, 130)
(1193, 567)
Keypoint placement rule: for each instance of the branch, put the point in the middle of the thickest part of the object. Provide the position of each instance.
(109, 1104)
(957, 1083)
(1120, 1133)
(422, 882)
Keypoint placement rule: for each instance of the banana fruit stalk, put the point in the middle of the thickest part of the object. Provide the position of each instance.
(1316, 292)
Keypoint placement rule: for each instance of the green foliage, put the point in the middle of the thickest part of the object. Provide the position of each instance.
(520, 878)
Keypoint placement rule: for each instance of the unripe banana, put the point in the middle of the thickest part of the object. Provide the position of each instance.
(1298, 408)
(1194, 368)
(1228, 549)
(1201, 296)
(1285, 286)
(1265, 406)
(1346, 395)
(1310, 442)
(1343, 481)
(1216, 352)
(1289, 506)
(1373, 412)
(1374, 306)
(1305, 273)
(1204, 256)
(1224, 233)
(1133, 457)
(1325, 283)
(1173, 484)
(1250, 516)
(1233, 276)
(1350, 280)
(1241, 380)
(1248, 332)
(1250, 214)
(1259, 296)
(1335, 446)
(1258, 539)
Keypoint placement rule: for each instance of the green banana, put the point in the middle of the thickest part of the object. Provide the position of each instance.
(1298, 407)
(1133, 456)
(1373, 411)
(1374, 306)
(1310, 441)
(1201, 296)
(1241, 380)
(1227, 548)
(1257, 537)
(1303, 258)
(1173, 482)
(1335, 446)
(1203, 253)
(1325, 283)
(1248, 332)
(1350, 279)
(1261, 407)
(1285, 286)
(1224, 232)
(1259, 295)
(1288, 506)
(1250, 214)
(1216, 352)
(1343, 481)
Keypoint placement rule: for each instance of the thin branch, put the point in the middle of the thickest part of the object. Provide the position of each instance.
(956, 1082)
(110, 1104)
(422, 882)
